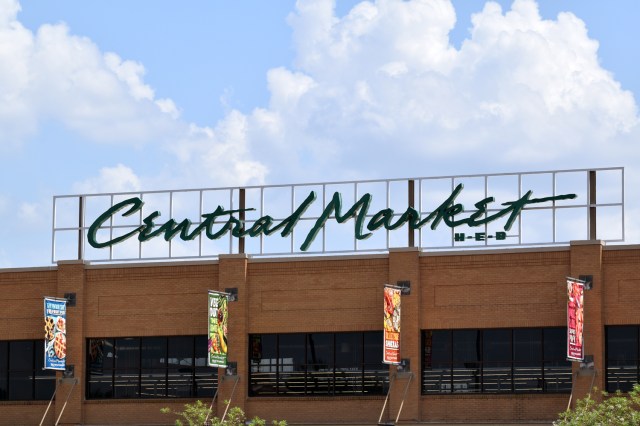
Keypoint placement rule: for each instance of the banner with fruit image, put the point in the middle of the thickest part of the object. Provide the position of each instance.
(55, 333)
(391, 325)
(218, 320)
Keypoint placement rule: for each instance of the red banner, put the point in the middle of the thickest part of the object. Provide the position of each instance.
(391, 325)
(575, 319)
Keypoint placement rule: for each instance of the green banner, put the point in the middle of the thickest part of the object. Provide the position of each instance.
(218, 320)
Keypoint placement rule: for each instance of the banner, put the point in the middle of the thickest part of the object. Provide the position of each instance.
(218, 320)
(575, 319)
(55, 333)
(391, 325)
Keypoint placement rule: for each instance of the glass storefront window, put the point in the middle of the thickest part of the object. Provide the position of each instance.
(495, 361)
(321, 364)
(22, 377)
(527, 360)
(622, 359)
(149, 367)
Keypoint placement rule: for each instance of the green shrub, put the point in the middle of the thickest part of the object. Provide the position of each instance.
(196, 413)
(614, 410)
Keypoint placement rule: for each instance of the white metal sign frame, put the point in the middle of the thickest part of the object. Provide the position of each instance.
(582, 182)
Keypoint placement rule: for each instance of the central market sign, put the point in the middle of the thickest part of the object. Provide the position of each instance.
(221, 221)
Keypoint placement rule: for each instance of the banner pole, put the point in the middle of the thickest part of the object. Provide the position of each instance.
(50, 402)
(386, 399)
(230, 398)
(404, 396)
(211, 406)
(75, 381)
(573, 382)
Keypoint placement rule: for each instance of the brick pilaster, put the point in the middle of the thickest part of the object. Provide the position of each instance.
(72, 279)
(404, 265)
(233, 274)
(586, 259)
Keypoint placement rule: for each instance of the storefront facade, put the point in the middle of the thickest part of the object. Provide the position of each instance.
(484, 333)
(483, 336)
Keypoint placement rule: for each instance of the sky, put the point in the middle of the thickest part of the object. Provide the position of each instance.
(112, 96)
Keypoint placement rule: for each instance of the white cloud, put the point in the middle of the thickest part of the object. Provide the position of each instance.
(55, 76)
(378, 93)
(383, 86)
(220, 156)
(110, 179)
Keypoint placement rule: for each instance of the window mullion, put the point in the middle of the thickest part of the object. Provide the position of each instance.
(139, 367)
(33, 370)
(480, 335)
(542, 357)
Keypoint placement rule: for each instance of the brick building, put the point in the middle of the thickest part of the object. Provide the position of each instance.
(484, 335)
(513, 297)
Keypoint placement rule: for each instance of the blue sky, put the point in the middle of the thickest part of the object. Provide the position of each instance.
(108, 96)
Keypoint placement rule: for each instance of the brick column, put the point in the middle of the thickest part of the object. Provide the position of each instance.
(404, 265)
(233, 274)
(71, 279)
(586, 259)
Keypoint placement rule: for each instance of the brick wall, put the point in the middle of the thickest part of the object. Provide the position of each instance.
(517, 288)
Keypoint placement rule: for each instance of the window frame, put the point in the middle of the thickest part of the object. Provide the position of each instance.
(608, 361)
(35, 374)
(478, 369)
(140, 370)
(322, 378)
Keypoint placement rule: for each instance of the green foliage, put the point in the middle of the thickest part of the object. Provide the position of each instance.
(614, 410)
(196, 413)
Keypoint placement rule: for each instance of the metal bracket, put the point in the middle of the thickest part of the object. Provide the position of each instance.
(68, 372)
(71, 299)
(588, 281)
(231, 369)
(404, 366)
(232, 294)
(405, 287)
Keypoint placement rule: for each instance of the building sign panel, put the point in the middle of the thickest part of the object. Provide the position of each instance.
(575, 319)
(222, 221)
(55, 334)
(491, 213)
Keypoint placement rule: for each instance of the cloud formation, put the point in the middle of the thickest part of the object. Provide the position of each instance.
(53, 75)
(384, 83)
(378, 93)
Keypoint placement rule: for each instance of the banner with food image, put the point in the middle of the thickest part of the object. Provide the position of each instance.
(575, 319)
(391, 325)
(218, 320)
(55, 333)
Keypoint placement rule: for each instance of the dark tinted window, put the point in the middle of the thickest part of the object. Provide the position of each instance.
(495, 361)
(317, 364)
(622, 357)
(149, 367)
(555, 343)
(496, 345)
(320, 350)
(348, 349)
(622, 343)
(4, 368)
(22, 377)
(466, 346)
(21, 355)
(154, 352)
(527, 346)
